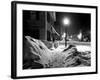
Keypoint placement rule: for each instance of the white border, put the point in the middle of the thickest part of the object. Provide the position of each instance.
(35, 72)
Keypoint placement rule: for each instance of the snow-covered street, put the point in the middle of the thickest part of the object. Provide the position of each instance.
(81, 46)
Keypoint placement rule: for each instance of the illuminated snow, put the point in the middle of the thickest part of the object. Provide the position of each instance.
(83, 48)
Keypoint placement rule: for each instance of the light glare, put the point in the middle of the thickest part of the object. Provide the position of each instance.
(66, 21)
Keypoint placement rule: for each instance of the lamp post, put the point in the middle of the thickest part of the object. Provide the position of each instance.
(66, 22)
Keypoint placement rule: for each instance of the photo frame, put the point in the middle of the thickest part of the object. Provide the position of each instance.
(31, 52)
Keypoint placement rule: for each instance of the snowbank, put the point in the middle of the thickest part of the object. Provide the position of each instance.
(37, 55)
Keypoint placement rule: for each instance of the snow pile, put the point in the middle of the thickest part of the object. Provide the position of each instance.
(37, 55)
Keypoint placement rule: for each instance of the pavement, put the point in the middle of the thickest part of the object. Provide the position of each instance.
(81, 46)
(76, 43)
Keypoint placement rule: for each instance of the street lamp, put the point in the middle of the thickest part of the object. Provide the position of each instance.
(66, 22)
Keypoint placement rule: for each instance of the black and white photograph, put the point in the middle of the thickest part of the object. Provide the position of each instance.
(56, 39)
(53, 39)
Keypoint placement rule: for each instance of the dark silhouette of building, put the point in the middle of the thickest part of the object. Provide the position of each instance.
(38, 24)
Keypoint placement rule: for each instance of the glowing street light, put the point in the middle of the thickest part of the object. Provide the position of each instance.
(63, 36)
(66, 22)
(79, 35)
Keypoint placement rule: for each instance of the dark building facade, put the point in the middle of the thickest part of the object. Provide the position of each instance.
(37, 24)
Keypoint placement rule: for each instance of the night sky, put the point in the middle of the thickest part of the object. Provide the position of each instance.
(78, 21)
